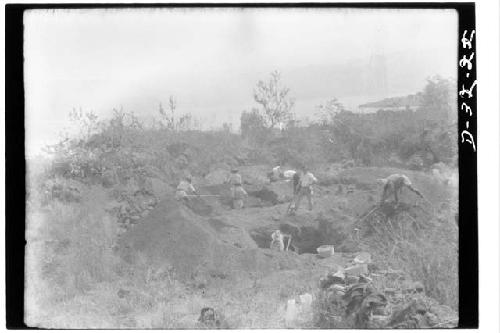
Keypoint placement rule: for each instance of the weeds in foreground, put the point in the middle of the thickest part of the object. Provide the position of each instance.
(424, 246)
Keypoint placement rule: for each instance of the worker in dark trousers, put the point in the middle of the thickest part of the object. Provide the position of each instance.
(394, 184)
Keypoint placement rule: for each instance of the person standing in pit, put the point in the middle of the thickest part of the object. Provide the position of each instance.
(238, 193)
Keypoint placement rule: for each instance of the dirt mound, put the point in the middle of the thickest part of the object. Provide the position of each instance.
(160, 188)
(327, 170)
(255, 174)
(173, 235)
(218, 176)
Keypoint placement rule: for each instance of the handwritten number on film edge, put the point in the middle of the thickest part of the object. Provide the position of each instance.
(468, 93)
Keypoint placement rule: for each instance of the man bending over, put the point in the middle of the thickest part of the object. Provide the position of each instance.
(394, 185)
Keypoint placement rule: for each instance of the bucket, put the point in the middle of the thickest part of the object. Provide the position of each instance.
(325, 251)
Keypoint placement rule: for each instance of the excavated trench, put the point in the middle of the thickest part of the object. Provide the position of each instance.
(305, 239)
(199, 206)
(258, 195)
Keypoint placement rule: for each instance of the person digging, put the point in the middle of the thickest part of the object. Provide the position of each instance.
(238, 193)
(306, 182)
(295, 192)
(394, 184)
(278, 240)
(185, 190)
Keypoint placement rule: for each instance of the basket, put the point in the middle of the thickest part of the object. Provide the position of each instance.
(325, 251)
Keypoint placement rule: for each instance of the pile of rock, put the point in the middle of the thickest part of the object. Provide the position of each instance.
(348, 301)
(357, 297)
(211, 319)
(131, 208)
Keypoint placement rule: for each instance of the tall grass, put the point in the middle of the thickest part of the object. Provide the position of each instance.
(428, 253)
(70, 250)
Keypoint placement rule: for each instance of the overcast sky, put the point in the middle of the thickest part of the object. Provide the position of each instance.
(211, 59)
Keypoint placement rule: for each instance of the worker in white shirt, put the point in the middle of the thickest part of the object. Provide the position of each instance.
(288, 174)
(185, 189)
(275, 174)
(278, 241)
(393, 185)
(306, 188)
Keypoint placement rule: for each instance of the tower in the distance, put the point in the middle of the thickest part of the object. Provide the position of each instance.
(376, 75)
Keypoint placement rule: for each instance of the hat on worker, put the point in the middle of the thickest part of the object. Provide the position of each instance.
(382, 180)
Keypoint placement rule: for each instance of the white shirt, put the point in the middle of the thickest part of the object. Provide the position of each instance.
(277, 236)
(307, 180)
(289, 173)
(398, 180)
(234, 179)
(186, 187)
(276, 171)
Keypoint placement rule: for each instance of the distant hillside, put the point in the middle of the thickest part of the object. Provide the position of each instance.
(396, 102)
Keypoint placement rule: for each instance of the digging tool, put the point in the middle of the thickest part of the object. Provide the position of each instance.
(291, 207)
(368, 214)
(203, 195)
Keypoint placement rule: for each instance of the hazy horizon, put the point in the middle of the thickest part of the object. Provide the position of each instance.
(211, 59)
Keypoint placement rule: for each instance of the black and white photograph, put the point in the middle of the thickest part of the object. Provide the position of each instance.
(247, 167)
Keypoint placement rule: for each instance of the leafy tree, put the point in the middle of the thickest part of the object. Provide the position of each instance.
(253, 126)
(439, 100)
(327, 111)
(185, 122)
(274, 99)
(227, 127)
(87, 122)
(169, 118)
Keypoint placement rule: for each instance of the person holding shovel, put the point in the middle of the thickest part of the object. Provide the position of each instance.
(305, 189)
(394, 184)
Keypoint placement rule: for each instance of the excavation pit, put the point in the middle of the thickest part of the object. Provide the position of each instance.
(305, 239)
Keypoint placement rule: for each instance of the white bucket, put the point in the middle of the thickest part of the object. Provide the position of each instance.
(325, 251)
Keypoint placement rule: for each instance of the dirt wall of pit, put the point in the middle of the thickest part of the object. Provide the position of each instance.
(174, 235)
